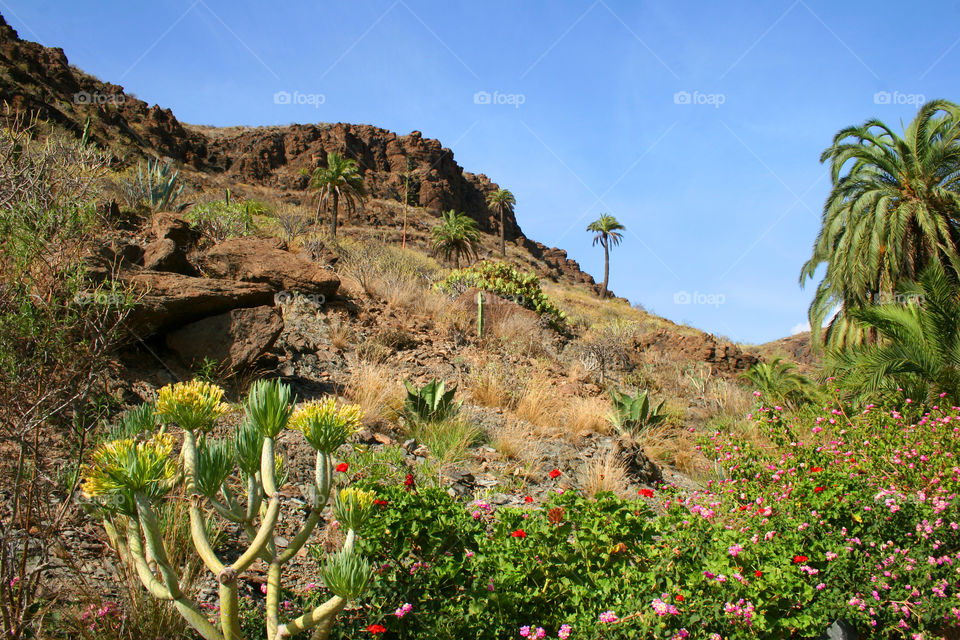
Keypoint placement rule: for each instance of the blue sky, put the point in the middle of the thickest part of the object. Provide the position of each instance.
(697, 124)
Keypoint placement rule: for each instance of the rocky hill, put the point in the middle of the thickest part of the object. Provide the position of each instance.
(39, 80)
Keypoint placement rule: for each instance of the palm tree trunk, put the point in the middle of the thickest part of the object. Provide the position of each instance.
(333, 218)
(316, 221)
(606, 269)
(503, 236)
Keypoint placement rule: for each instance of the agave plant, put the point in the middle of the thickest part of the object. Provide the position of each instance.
(158, 185)
(236, 479)
(432, 402)
(632, 414)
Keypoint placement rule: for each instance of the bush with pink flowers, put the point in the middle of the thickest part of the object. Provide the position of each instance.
(818, 516)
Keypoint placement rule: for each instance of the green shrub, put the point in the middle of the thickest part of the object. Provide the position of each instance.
(222, 219)
(506, 282)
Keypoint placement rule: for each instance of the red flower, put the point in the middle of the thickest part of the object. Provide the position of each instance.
(408, 481)
(678, 598)
(376, 628)
(818, 490)
(816, 469)
(799, 559)
(342, 467)
(646, 493)
(379, 502)
(519, 533)
(758, 573)
(528, 499)
(555, 473)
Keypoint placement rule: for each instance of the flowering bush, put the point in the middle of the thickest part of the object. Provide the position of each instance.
(837, 515)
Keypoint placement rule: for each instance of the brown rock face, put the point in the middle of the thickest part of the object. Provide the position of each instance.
(171, 300)
(236, 338)
(723, 357)
(261, 261)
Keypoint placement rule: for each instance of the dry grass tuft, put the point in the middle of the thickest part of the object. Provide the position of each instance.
(539, 403)
(517, 330)
(675, 446)
(516, 441)
(372, 387)
(604, 472)
(489, 387)
(585, 415)
(339, 332)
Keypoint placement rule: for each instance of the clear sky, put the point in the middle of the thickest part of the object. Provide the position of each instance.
(699, 125)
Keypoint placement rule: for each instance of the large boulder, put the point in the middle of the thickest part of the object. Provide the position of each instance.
(235, 339)
(171, 300)
(174, 239)
(264, 261)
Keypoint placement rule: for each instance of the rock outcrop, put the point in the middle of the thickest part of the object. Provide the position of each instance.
(234, 339)
(171, 300)
(263, 261)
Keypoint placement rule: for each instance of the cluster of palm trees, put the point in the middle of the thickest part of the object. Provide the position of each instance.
(889, 244)
(457, 236)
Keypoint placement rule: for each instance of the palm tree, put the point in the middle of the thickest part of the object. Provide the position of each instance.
(894, 208)
(456, 236)
(779, 383)
(340, 182)
(606, 230)
(502, 202)
(918, 348)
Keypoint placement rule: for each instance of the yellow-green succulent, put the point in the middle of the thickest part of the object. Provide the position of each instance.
(352, 507)
(326, 425)
(194, 405)
(121, 468)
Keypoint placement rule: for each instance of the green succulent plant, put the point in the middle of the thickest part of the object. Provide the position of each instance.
(235, 478)
(432, 402)
(632, 413)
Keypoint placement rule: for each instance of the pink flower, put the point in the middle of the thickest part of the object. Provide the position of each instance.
(403, 610)
(525, 632)
(735, 550)
(608, 617)
(564, 632)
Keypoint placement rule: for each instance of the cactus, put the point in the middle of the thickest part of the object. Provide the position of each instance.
(129, 477)
(430, 403)
(480, 314)
(632, 414)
